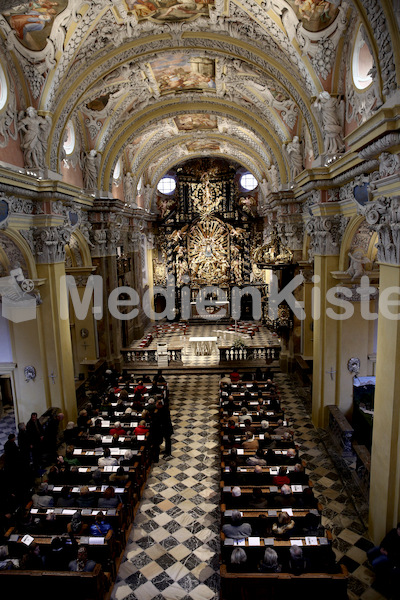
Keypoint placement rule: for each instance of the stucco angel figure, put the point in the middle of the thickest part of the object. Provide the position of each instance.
(357, 262)
(34, 131)
(295, 155)
(328, 107)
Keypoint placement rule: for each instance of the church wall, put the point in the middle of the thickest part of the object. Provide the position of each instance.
(12, 153)
(5, 341)
(73, 175)
(28, 351)
(355, 340)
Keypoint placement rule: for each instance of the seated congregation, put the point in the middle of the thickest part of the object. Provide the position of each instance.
(272, 539)
(68, 497)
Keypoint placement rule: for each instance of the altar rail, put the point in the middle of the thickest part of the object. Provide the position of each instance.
(261, 353)
(149, 356)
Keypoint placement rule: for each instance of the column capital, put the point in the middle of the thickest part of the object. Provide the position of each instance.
(104, 240)
(48, 243)
(383, 216)
(326, 234)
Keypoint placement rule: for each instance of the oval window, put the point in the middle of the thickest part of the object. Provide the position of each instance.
(248, 182)
(166, 185)
(362, 63)
(3, 88)
(69, 141)
(117, 170)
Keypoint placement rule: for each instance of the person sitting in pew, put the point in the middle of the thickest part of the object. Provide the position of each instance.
(311, 526)
(238, 561)
(141, 429)
(69, 458)
(117, 429)
(100, 527)
(297, 563)
(248, 427)
(236, 500)
(250, 443)
(298, 475)
(59, 555)
(107, 459)
(85, 499)
(120, 477)
(32, 560)
(229, 404)
(283, 527)
(234, 376)
(76, 525)
(236, 529)
(286, 498)
(124, 395)
(140, 388)
(109, 499)
(257, 500)
(42, 499)
(269, 563)
(282, 478)
(82, 563)
(128, 459)
(244, 415)
(308, 500)
(257, 459)
(66, 499)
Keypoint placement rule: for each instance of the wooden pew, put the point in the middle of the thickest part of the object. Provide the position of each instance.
(102, 550)
(65, 585)
(275, 586)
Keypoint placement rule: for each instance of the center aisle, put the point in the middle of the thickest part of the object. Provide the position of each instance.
(173, 549)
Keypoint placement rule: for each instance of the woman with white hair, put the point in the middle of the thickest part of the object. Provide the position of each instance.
(238, 561)
(270, 563)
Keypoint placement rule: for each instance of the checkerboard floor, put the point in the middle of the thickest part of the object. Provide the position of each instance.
(7, 426)
(173, 548)
(263, 337)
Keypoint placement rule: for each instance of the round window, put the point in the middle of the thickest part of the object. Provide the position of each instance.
(166, 185)
(248, 182)
(69, 141)
(362, 63)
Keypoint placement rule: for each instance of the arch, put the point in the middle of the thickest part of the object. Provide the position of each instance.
(21, 247)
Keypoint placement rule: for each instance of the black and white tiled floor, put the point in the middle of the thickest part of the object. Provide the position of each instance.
(173, 548)
(7, 426)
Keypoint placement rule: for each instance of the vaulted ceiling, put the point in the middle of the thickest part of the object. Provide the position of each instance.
(154, 82)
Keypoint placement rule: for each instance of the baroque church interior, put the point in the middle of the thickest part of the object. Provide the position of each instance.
(225, 143)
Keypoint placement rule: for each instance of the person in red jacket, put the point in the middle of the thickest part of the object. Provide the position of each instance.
(140, 388)
(117, 429)
(234, 376)
(282, 478)
(141, 429)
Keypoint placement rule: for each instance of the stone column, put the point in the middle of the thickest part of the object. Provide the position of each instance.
(104, 252)
(325, 233)
(383, 215)
(54, 337)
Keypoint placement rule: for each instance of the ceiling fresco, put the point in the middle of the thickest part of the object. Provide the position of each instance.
(154, 81)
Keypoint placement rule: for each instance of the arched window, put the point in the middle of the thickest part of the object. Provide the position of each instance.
(362, 63)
